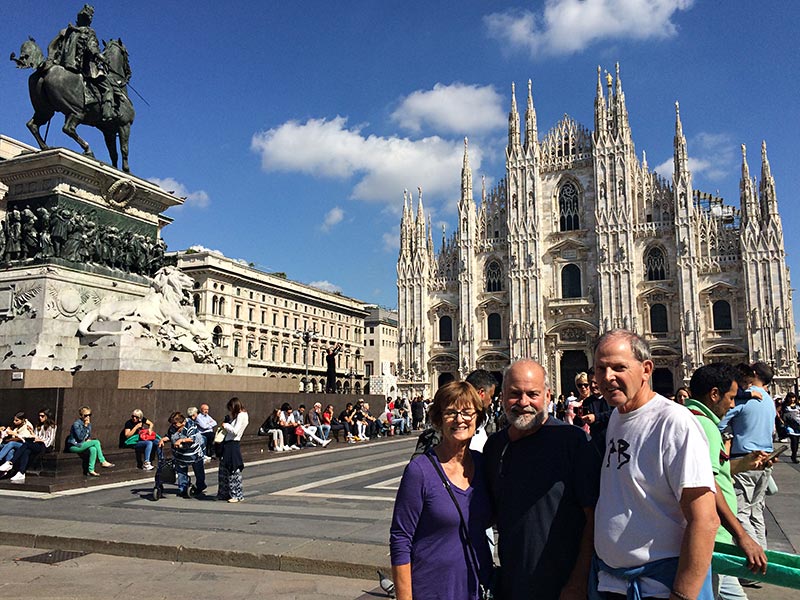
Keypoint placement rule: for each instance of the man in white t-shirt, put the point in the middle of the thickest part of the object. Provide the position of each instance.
(656, 509)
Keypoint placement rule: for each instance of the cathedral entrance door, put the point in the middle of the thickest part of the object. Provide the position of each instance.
(444, 378)
(572, 363)
(662, 381)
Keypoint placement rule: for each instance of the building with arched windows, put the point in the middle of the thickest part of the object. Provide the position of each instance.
(580, 237)
(258, 318)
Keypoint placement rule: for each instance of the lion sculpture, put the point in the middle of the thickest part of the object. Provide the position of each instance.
(164, 311)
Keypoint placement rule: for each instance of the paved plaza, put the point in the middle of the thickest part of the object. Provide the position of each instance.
(312, 523)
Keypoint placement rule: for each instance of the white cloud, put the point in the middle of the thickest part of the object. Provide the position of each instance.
(333, 218)
(457, 109)
(199, 248)
(711, 155)
(196, 199)
(326, 286)
(568, 26)
(384, 166)
(391, 240)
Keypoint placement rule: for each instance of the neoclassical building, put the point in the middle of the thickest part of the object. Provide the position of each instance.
(579, 237)
(258, 320)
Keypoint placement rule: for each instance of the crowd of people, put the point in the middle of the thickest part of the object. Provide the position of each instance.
(615, 492)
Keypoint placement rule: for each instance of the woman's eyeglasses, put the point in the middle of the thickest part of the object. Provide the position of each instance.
(86, 415)
(467, 415)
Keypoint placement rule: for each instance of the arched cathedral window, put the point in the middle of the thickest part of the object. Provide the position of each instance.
(494, 277)
(658, 318)
(446, 329)
(722, 316)
(655, 265)
(571, 282)
(568, 217)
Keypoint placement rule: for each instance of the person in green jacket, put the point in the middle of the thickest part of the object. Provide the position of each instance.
(713, 388)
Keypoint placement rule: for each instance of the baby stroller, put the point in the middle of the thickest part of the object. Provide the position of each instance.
(165, 473)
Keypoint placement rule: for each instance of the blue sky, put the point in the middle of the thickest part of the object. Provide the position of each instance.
(293, 127)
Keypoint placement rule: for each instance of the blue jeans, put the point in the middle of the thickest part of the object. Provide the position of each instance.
(324, 431)
(7, 451)
(182, 472)
(146, 448)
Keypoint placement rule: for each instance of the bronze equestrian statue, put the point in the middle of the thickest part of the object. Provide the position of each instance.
(87, 86)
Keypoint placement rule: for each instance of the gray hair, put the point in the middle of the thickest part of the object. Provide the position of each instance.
(192, 411)
(639, 347)
(137, 412)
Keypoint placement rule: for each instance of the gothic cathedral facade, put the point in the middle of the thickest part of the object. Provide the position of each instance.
(580, 237)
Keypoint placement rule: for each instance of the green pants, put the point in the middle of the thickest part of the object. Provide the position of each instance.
(94, 449)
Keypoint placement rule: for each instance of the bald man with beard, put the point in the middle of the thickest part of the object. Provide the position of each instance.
(543, 483)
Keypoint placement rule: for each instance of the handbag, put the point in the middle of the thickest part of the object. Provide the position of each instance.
(219, 435)
(485, 592)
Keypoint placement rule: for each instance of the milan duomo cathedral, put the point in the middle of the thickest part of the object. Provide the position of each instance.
(581, 237)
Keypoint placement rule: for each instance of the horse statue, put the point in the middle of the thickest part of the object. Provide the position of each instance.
(165, 312)
(54, 89)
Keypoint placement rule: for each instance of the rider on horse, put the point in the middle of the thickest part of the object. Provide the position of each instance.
(76, 49)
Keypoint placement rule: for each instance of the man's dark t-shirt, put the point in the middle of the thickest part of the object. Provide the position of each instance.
(539, 486)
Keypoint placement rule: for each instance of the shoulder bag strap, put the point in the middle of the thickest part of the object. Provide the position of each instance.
(464, 529)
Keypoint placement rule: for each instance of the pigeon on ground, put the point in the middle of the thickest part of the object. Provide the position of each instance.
(148, 385)
(76, 368)
(93, 344)
(175, 359)
(51, 356)
(32, 352)
(84, 357)
(9, 354)
(13, 366)
(386, 584)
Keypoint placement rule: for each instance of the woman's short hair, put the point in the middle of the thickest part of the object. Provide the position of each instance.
(581, 377)
(137, 412)
(192, 412)
(459, 394)
(84, 409)
(235, 406)
(286, 406)
(177, 417)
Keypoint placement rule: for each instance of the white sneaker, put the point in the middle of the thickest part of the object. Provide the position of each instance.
(206, 460)
(147, 466)
(18, 478)
(6, 467)
(325, 443)
(293, 447)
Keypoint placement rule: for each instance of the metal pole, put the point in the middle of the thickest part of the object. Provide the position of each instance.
(308, 341)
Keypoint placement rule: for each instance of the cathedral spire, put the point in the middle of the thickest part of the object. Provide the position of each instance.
(747, 200)
(531, 133)
(621, 124)
(513, 122)
(466, 174)
(681, 157)
(766, 189)
(599, 106)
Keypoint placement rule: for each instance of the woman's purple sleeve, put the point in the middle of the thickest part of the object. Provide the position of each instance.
(407, 510)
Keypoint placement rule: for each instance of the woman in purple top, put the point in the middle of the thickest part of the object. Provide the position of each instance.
(429, 558)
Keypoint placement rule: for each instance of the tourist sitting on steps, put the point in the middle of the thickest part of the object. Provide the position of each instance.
(43, 439)
(272, 428)
(139, 434)
(80, 440)
(14, 437)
